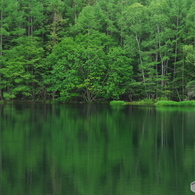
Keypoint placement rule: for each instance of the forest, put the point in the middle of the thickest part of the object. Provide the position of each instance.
(97, 50)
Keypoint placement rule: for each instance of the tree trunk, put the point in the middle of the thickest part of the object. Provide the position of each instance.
(162, 62)
(176, 46)
(140, 57)
(183, 75)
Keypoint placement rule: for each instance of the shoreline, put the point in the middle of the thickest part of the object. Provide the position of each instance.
(160, 103)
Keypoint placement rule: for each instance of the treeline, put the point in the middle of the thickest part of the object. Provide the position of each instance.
(93, 50)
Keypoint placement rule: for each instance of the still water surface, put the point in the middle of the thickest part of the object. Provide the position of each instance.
(96, 150)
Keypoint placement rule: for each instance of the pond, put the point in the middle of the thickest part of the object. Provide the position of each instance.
(96, 149)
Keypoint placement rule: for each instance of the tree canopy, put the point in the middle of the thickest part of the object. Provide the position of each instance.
(93, 50)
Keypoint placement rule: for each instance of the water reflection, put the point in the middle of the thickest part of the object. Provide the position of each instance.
(95, 149)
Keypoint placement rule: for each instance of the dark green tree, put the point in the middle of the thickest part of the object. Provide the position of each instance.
(22, 70)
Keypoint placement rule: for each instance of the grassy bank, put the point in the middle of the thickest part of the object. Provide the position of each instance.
(161, 103)
(117, 103)
(173, 103)
(146, 102)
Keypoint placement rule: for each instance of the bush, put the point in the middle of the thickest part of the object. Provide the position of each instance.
(187, 103)
(173, 103)
(117, 102)
(147, 101)
(166, 103)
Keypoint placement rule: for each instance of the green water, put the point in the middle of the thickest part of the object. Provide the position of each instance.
(96, 150)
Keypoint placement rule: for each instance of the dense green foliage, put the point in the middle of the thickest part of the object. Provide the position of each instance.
(173, 103)
(114, 102)
(92, 50)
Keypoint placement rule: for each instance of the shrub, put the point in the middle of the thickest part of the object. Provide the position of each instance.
(166, 103)
(187, 103)
(117, 102)
(173, 103)
(147, 101)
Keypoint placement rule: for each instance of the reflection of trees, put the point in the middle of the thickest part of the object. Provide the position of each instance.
(94, 149)
(1, 169)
